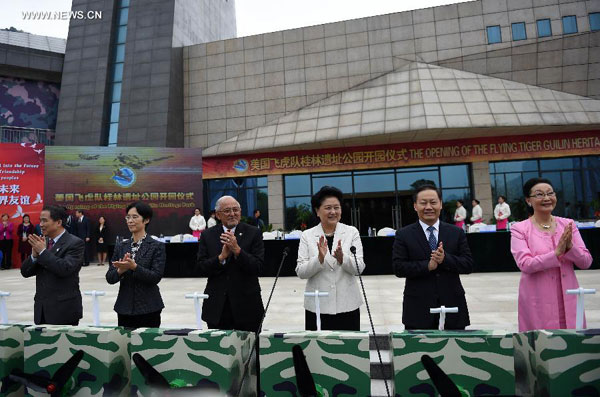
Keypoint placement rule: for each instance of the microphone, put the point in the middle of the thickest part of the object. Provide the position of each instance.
(304, 379)
(441, 381)
(284, 255)
(353, 251)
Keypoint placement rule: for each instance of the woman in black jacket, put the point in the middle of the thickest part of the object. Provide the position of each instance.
(101, 246)
(138, 264)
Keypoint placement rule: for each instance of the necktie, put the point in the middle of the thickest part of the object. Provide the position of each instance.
(50, 243)
(432, 240)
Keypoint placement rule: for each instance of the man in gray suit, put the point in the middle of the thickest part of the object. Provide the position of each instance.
(55, 261)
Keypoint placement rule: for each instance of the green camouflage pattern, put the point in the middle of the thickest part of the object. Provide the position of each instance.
(481, 362)
(11, 357)
(104, 369)
(339, 362)
(196, 357)
(557, 363)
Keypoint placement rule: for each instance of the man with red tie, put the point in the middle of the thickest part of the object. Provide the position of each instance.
(55, 261)
(231, 255)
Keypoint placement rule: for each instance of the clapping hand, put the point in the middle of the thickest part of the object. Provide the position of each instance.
(230, 244)
(565, 242)
(322, 246)
(338, 254)
(437, 257)
(38, 244)
(127, 263)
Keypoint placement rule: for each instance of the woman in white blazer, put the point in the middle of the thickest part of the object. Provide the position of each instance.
(325, 260)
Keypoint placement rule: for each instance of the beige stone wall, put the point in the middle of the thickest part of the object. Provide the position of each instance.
(275, 188)
(482, 189)
(235, 85)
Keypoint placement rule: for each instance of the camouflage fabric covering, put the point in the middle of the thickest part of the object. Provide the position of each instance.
(195, 357)
(11, 357)
(481, 362)
(557, 363)
(104, 369)
(28, 103)
(339, 362)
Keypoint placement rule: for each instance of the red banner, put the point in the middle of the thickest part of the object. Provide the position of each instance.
(404, 155)
(21, 186)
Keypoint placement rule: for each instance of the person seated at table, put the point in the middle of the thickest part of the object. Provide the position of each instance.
(138, 265)
(546, 249)
(477, 213)
(325, 260)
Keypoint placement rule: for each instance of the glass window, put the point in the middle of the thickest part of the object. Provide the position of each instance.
(298, 213)
(514, 186)
(595, 21)
(116, 92)
(344, 183)
(590, 162)
(297, 185)
(113, 131)
(500, 185)
(493, 34)
(412, 180)
(121, 34)
(124, 3)
(261, 181)
(518, 31)
(569, 24)
(124, 16)
(544, 29)
(114, 112)
(567, 163)
(120, 53)
(457, 194)
(514, 166)
(374, 183)
(455, 176)
(528, 175)
(118, 72)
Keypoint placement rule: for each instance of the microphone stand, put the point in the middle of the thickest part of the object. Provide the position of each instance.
(286, 251)
(353, 250)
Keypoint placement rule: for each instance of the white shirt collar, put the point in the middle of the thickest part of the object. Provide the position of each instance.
(436, 226)
(232, 229)
(59, 236)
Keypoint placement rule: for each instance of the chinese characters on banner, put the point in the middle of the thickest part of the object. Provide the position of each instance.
(21, 186)
(404, 155)
(103, 181)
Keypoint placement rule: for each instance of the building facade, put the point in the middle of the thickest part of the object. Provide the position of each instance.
(521, 74)
(475, 97)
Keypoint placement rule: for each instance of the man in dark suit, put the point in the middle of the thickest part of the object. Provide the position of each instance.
(431, 254)
(231, 255)
(55, 261)
(82, 230)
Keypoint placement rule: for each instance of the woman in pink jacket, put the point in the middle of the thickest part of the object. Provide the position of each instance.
(546, 249)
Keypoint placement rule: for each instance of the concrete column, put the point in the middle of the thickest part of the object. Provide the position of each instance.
(276, 207)
(482, 188)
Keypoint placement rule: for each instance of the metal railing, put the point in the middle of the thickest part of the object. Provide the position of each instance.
(10, 134)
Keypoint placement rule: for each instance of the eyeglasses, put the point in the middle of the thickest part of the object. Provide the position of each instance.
(228, 211)
(132, 217)
(542, 195)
